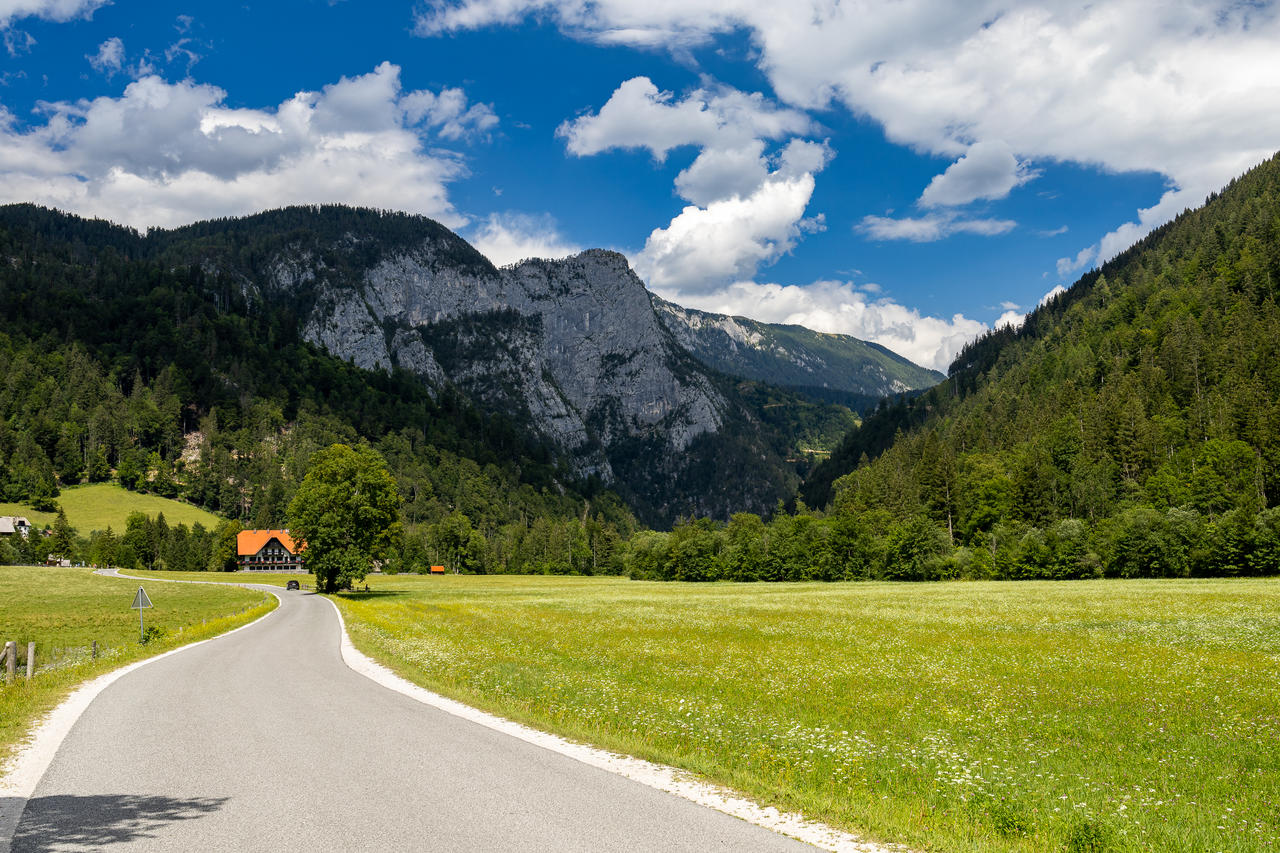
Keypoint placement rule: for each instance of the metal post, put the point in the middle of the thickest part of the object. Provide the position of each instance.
(95, 649)
(31, 660)
(142, 634)
(10, 660)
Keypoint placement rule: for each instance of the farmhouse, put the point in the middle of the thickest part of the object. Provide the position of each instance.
(11, 524)
(268, 551)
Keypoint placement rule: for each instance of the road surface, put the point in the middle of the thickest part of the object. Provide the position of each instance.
(265, 740)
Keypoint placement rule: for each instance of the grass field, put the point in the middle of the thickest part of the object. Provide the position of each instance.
(100, 505)
(64, 610)
(264, 578)
(1083, 716)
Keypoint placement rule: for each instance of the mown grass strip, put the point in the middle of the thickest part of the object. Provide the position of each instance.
(65, 610)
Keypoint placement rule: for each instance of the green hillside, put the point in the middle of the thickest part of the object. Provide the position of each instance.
(115, 362)
(102, 505)
(837, 368)
(1131, 426)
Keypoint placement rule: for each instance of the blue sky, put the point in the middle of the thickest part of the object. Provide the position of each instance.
(909, 172)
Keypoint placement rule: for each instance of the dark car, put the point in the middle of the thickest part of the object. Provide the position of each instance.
(292, 585)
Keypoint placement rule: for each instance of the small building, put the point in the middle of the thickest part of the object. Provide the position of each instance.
(437, 570)
(11, 524)
(268, 551)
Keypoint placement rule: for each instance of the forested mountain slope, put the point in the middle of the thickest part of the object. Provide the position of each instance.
(556, 372)
(835, 367)
(119, 366)
(1147, 396)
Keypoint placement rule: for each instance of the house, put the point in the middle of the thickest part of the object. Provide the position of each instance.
(268, 551)
(437, 570)
(11, 524)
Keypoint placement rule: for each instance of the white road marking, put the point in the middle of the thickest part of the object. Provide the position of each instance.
(23, 772)
(659, 776)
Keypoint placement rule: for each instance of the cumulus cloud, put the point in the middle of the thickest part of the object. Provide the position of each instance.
(1185, 89)
(842, 307)
(705, 247)
(507, 238)
(50, 10)
(447, 111)
(747, 203)
(170, 153)
(639, 115)
(110, 57)
(934, 226)
(988, 171)
(1067, 266)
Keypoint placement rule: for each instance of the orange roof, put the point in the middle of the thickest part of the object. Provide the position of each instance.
(252, 541)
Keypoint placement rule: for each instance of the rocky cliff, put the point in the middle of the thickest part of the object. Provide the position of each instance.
(571, 350)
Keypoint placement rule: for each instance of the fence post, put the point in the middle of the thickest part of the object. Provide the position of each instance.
(95, 649)
(31, 660)
(10, 660)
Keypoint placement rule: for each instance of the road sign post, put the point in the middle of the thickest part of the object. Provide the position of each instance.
(140, 603)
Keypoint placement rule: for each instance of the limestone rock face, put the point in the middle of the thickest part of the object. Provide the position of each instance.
(572, 345)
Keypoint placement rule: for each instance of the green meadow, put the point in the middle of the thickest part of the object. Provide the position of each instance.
(97, 506)
(65, 610)
(1084, 716)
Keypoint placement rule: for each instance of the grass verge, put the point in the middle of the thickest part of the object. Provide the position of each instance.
(1089, 716)
(64, 610)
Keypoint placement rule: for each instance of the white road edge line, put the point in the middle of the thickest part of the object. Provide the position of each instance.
(659, 776)
(23, 772)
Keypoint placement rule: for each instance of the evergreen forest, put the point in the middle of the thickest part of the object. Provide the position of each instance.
(1130, 427)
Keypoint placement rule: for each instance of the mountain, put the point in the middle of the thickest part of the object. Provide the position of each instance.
(568, 354)
(1144, 402)
(840, 368)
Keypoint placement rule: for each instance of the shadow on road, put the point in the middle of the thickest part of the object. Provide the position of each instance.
(94, 822)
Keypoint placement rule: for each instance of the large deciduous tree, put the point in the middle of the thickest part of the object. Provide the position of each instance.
(347, 512)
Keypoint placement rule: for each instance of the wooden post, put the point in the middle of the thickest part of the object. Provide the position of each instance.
(31, 660)
(95, 649)
(10, 660)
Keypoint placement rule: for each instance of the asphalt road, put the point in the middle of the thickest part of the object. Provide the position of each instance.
(265, 740)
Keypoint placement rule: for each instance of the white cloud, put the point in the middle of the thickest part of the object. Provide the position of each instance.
(719, 173)
(511, 237)
(1188, 90)
(1011, 318)
(1057, 290)
(110, 57)
(747, 204)
(1014, 317)
(1067, 266)
(843, 308)
(448, 112)
(705, 247)
(50, 10)
(988, 171)
(171, 153)
(638, 115)
(934, 226)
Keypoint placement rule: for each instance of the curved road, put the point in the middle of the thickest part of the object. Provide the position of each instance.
(265, 740)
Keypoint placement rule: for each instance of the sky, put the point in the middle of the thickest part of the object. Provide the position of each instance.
(911, 172)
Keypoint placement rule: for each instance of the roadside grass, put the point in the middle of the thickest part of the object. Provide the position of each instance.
(265, 578)
(97, 506)
(64, 610)
(1073, 716)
